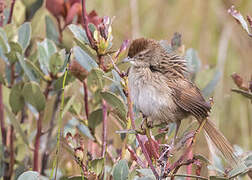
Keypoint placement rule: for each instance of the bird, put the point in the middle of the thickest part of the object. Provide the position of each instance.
(162, 90)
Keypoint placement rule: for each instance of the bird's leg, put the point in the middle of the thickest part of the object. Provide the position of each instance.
(145, 121)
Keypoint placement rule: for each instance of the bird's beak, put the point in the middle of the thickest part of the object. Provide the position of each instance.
(127, 59)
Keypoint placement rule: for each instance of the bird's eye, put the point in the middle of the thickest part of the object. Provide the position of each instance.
(152, 68)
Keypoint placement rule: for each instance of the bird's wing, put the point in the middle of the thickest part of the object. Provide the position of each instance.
(187, 96)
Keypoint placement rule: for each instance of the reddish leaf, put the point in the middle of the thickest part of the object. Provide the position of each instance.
(77, 70)
(73, 11)
(94, 18)
(152, 148)
(56, 7)
(239, 82)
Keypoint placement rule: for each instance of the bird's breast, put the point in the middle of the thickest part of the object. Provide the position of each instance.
(151, 95)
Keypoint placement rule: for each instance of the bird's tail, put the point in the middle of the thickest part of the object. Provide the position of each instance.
(221, 143)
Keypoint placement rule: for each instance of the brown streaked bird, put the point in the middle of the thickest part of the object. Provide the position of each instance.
(161, 90)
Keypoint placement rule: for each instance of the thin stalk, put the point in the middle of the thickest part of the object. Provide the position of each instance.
(36, 157)
(60, 123)
(11, 11)
(104, 129)
(3, 129)
(85, 97)
(85, 23)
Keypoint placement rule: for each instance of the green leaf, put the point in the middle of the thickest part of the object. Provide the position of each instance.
(24, 35)
(33, 95)
(95, 118)
(114, 101)
(91, 27)
(85, 131)
(238, 170)
(97, 165)
(12, 55)
(95, 79)
(217, 178)
(45, 50)
(193, 61)
(208, 90)
(56, 62)
(84, 59)
(29, 175)
(4, 41)
(16, 125)
(51, 30)
(68, 105)
(79, 33)
(26, 69)
(16, 98)
(121, 170)
(244, 93)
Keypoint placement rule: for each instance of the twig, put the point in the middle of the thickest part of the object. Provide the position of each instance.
(130, 111)
(3, 130)
(39, 133)
(85, 97)
(135, 156)
(185, 175)
(104, 129)
(85, 22)
(187, 163)
(12, 153)
(46, 153)
(11, 11)
(189, 156)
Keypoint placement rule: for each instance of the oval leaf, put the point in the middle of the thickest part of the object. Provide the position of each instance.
(114, 101)
(29, 175)
(45, 50)
(15, 48)
(51, 30)
(56, 62)
(27, 70)
(84, 59)
(85, 131)
(95, 79)
(95, 118)
(33, 95)
(16, 125)
(97, 166)
(79, 33)
(16, 98)
(121, 170)
(24, 35)
(4, 41)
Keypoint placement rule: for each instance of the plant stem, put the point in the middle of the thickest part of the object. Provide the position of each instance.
(185, 175)
(85, 97)
(3, 130)
(104, 129)
(47, 149)
(11, 11)
(85, 23)
(37, 143)
(189, 156)
(130, 111)
(12, 153)
(36, 157)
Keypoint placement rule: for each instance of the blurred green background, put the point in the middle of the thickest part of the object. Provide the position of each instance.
(207, 27)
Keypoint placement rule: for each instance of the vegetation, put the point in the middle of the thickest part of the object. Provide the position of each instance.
(65, 107)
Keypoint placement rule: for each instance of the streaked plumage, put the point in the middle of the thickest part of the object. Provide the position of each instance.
(161, 90)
